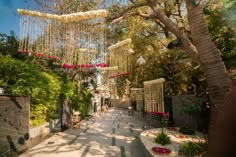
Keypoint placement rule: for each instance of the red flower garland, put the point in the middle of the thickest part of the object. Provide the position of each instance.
(180, 136)
(105, 65)
(119, 75)
(85, 66)
(98, 65)
(165, 115)
(30, 53)
(39, 54)
(161, 150)
(21, 51)
(68, 66)
(101, 65)
(54, 58)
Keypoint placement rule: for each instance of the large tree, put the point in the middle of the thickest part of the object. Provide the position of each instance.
(195, 40)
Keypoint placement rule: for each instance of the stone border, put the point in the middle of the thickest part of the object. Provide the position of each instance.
(147, 138)
(46, 128)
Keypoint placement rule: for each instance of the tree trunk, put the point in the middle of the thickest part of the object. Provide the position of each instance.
(218, 80)
(202, 48)
(225, 140)
(209, 57)
(65, 115)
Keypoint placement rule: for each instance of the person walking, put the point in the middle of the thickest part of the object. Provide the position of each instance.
(130, 110)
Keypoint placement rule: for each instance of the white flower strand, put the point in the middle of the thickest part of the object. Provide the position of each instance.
(119, 44)
(107, 68)
(75, 17)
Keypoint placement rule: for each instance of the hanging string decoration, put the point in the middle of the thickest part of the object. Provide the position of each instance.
(154, 97)
(68, 18)
(77, 39)
(91, 52)
(137, 97)
(110, 83)
(113, 88)
(127, 89)
(120, 57)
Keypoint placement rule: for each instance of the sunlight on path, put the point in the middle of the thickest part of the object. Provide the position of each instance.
(114, 134)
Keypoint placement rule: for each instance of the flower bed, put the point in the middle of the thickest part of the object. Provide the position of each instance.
(171, 150)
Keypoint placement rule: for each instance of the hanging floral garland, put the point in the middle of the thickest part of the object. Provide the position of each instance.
(119, 56)
(73, 39)
(75, 17)
(119, 44)
(154, 98)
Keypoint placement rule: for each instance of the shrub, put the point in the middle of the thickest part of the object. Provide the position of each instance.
(187, 130)
(22, 78)
(190, 149)
(162, 139)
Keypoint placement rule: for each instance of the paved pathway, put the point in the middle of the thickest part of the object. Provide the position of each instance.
(114, 134)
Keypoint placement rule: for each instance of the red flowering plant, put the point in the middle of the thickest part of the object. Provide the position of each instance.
(162, 138)
(161, 117)
(163, 120)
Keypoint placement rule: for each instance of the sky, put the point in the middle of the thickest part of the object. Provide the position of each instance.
(8, 15)
(9, 18)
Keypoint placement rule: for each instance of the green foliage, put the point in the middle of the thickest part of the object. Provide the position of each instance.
(21, 78)
(221, 24)
(38, 114)
(82, 100)
(85, 102)
(68, 87)
(176, 69)
(187, 130)
(162, 139)
(8, 44)
(230, 11)
(45, 98)
(39, 82)
(190, 149)
(149, 39)
(121, 86)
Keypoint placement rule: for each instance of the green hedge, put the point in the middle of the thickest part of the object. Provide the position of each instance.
(21, 78)
(44, 88)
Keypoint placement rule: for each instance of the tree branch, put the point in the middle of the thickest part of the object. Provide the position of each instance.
(179, 8)
(186, 45)
(126, 10)
(132, 1)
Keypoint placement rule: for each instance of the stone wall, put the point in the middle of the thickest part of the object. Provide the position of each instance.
(14, 123)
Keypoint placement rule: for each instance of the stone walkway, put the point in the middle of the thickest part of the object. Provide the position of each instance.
(114, 134)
